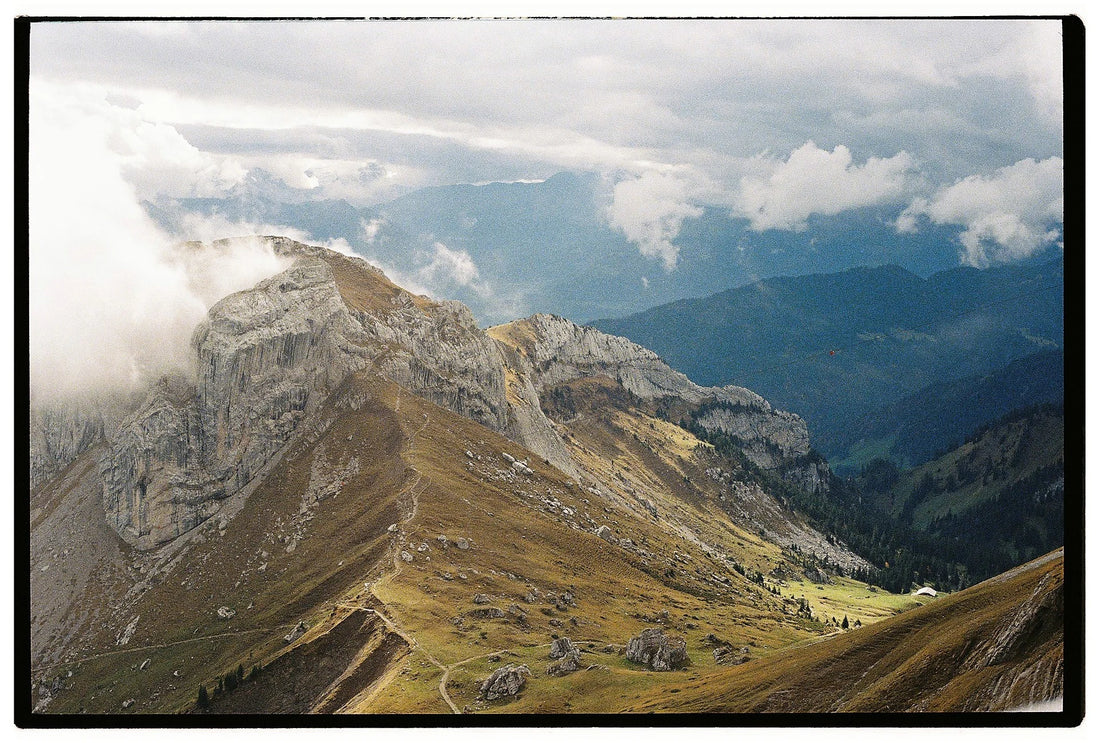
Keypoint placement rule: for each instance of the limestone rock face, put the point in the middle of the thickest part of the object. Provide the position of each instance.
(60, 431)
(265, 360)
(547, 350)
(59, 435)
(657, 651)
(769, 436)
(505, 682)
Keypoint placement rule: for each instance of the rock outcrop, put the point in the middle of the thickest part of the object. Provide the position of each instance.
(265, 359)
(505, 682)
(652, 648)
(561, 647)
(546, 350)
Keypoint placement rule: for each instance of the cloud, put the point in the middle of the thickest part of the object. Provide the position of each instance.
(783, 194)
(112, 303)
(1006, 216)
(523, 99)
(450, 267)
(649, 210)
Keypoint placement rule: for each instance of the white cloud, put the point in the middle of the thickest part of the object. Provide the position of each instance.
(783, 194)
(112, 303)
(450, 266)
(649, 210)
(370, 229)
(1007, 216)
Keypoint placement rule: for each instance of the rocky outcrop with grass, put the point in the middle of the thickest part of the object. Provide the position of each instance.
(657, 651)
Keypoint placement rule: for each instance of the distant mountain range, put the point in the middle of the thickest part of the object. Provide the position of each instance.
(839, 348)
(1006, 483)
(549, 247)
(917, 427)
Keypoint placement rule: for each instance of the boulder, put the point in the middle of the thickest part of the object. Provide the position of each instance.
(489, 612)
(505, 681)
(294, 634)
(652, 648)
(570, 662)
(481, 598)
(462, 543)
(604, 533)
(406, 556)
(224, 612)
(560, 647)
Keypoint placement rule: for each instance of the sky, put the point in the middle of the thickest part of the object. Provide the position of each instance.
(949, 122)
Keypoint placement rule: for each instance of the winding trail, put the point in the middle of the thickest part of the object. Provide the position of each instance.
(204, 638)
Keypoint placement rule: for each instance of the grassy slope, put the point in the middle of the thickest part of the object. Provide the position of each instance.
(928, 659)
(287, 557)
(1010, 451)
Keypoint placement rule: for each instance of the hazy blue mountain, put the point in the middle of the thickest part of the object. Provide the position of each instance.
(834, 347)
(919, 426)
(548, 247)
(1006, 483)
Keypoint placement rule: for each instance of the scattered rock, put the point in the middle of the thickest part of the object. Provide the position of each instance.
(490, 612)
(560, 647)
(446, 576)
(423, 547)
(391, 528)
(555, 622)
(570, 662)
(294, 634)
(224, 612)
(516, 611)
(505, 682)
(654, 649)
(481, 598)
(532, 596)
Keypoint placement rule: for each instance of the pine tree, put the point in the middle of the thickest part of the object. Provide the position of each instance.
(844, 624)
(204, 697)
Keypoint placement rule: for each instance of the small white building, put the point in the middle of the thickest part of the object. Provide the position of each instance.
(926, 591)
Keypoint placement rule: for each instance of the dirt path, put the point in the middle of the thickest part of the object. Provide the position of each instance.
(204, 638)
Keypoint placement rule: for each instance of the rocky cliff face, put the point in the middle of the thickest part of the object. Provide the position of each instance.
(266, 358)
(550, 350)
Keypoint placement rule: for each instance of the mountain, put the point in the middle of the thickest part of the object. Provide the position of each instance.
(550, 245)
(936, 418)
(1006, 481)
(837, 347)
(359, 501)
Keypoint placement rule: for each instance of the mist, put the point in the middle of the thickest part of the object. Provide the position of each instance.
(113, 300)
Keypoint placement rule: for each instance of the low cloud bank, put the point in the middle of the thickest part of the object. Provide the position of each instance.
(113, 302)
